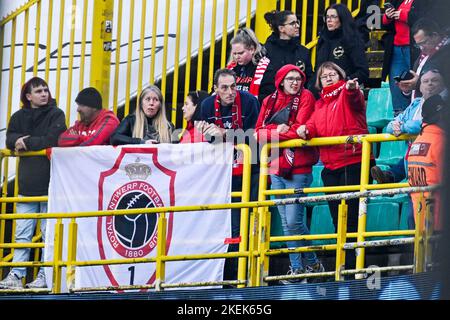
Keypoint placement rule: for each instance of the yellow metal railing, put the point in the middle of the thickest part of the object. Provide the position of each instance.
(161, 257)
(254, 248)
(264, 216)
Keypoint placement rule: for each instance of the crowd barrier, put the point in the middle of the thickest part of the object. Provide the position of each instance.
(254, 249)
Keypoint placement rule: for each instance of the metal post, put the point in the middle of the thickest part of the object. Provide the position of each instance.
(362, 213)
(263, 236)
(57, 256)
(161, 251)
(262, 29)
(418, 238)
(341, 239)
(101, 48)
(246, 186)
(71, 254)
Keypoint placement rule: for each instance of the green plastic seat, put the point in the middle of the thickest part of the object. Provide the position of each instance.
(382, 216)
(379, 107)
(316, 183)
(391, 152)
(322, 223)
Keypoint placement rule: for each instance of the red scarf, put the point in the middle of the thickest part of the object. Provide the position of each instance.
(286, 162)
(331, 93)
(236, 123)
(236, 113)
(257, 77)
(436, 49)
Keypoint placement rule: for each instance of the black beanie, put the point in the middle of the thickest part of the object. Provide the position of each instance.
(89, 97)
(433, 109)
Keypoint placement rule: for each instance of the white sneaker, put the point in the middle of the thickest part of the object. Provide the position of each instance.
(295, 280)
(38, 283)
(11, 282)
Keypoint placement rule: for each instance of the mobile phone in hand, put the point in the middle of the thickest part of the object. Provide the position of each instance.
(388, 5)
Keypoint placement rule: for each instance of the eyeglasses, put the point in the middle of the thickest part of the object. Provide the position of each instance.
(422, 44)
(331, 17)
(293, 23)
(326, 76)
(292, 79)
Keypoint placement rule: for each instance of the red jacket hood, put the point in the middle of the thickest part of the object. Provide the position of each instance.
(284, 70)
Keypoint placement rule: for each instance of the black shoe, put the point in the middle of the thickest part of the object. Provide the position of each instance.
(381, 176)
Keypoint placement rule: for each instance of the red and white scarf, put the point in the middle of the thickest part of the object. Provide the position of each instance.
(236, 123)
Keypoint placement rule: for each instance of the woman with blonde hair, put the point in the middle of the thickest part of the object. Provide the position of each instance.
(148, 124)
(248, 61)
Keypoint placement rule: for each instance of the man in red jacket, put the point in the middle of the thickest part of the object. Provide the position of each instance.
(95, 125)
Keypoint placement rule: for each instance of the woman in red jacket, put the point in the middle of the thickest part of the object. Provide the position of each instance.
(282, 112)
(341, 111)
(191, 112)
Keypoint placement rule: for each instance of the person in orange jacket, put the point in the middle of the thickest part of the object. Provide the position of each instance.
(425, 158)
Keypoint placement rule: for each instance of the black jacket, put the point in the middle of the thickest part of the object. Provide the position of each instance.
(43, 125)
(439, 60)
(282, 52)
(349, 55)
(124, 132)
(418, 10)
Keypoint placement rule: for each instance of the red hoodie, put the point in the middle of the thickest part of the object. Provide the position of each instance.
(339, 112)
(96, 133)
(304, 158)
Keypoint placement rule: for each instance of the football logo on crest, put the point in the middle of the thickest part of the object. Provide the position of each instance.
(134, 235)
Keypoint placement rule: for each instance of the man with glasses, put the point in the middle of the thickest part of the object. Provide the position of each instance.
(225, 116)
(434, 53)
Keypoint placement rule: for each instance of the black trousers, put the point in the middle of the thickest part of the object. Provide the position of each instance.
(348, 175)
(231, 264)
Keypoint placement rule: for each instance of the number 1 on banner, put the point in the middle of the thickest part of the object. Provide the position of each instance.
(131, 269)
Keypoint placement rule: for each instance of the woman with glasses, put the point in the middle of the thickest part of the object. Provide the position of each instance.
(399, 54)
(340, 111)
(290, 106)
(341, 43)
(283, 47)
(148, 124)
(248, 61)
(191, 113)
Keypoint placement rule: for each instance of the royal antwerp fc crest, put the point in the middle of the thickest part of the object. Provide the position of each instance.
(137, 180)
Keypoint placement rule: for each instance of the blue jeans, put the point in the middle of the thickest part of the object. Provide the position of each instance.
(25, 231)
(292, 217)
(401, 61)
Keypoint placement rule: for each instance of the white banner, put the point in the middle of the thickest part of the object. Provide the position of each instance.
(110, 178)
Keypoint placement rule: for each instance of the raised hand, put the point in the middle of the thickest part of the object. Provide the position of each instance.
(352, 84)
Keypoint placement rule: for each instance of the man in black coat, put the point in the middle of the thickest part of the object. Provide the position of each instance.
(36, 126)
